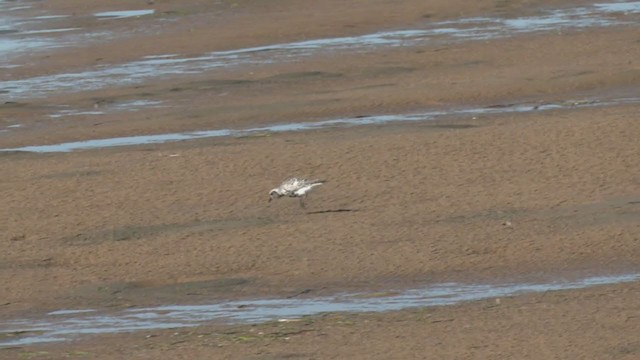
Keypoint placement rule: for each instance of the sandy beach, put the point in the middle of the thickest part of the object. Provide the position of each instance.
(541, 181)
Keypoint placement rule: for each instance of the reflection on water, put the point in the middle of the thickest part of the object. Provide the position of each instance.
(66, 324)
(479, 28)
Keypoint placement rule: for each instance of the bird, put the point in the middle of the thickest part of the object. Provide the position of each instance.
(295, 187)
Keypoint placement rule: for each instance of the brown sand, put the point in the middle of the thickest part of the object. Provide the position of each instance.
(490, 197)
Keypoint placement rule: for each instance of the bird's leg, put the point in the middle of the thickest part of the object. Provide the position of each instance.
(302, 205)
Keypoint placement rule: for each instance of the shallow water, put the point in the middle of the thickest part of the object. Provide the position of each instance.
(467, 29)
(20, 34)
(313, 125)
(127, 106)
(9, 26)
(17, 35)
(66, 324)
(123, 14)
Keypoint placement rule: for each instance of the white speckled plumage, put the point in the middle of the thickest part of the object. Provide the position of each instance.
(295, 187)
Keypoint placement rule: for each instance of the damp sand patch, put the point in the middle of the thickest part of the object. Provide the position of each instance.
(68, 324)
(317, 125)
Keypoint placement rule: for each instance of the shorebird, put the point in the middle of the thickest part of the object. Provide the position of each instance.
(294, 187)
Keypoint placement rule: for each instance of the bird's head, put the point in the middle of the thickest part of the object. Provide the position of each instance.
(274, 194)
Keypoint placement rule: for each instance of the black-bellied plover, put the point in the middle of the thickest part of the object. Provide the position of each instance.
(294, 187)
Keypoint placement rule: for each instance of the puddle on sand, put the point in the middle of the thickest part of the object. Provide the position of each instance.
(604, 14)
(10, 127)
(10, 5)
(315, 125)
(17, 38)
(65, 324)
(130, 106)
(123, 14)
(47, 31)
(20, 34)
(9, 43)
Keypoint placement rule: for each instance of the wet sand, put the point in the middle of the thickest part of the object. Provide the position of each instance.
(598, 323)
(515, 196)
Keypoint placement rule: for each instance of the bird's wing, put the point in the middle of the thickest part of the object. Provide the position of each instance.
(306, 188)
(316, 182)
(292, 184)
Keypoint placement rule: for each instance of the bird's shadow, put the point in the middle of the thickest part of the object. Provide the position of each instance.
(331, 211)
